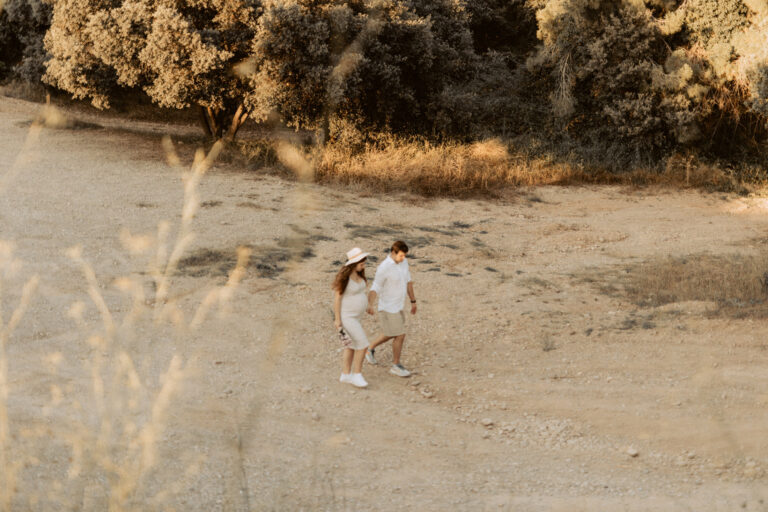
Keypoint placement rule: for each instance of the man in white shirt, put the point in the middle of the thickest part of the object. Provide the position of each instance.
(391, 284)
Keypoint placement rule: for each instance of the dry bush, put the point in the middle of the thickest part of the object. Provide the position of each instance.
(686, 171)
(734, 281)
(490, 166)
(451, 169)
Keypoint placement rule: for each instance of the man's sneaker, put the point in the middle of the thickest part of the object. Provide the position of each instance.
(397, 369)
(357, 380)
(345, 378)
(369, 357)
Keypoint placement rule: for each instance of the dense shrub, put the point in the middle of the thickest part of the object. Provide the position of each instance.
(644, 79)
(23, 24)
(609, 86)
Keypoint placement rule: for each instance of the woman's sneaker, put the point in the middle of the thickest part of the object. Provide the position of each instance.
(357, 380)
(369, 357)
(345, 377)
(397, 369)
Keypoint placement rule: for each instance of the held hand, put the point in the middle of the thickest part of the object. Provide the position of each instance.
(337, 324)
(413, 309)
(369, 310)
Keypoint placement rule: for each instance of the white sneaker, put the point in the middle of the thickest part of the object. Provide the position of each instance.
(370, 357)
(397, 369)
(345, 378)
(358, 380)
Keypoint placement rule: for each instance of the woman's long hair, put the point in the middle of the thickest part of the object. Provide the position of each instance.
(342, 278)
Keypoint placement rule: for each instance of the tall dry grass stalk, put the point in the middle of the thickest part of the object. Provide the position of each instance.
(115, 433)
(10, 465)
(9, 266)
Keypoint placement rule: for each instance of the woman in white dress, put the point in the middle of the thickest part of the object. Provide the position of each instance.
(349, 304)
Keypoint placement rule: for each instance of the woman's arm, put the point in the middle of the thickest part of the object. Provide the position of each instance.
(337, 309)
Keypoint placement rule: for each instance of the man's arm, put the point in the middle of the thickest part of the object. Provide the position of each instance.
(412, 296)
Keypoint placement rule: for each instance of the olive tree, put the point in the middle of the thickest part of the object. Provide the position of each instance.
(381, 64)
(180, 54)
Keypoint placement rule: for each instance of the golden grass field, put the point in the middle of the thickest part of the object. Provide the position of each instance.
(577, 348)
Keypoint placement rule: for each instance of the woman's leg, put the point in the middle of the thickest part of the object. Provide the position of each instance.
(358, 360)
(346, 361)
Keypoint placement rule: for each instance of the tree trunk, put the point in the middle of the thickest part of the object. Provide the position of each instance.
(212, 117)
(240, 116)
(205, 123)
(214, 122)
(325, 129)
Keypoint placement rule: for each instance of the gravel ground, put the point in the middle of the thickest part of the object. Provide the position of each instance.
(534, 389)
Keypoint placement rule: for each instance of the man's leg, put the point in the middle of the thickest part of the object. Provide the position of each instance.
(382, 339)
(397, 348)
(369, 353)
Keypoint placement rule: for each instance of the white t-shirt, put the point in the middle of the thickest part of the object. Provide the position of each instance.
(391, 284)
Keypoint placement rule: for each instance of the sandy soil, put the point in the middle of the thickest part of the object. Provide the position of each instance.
(531, 386)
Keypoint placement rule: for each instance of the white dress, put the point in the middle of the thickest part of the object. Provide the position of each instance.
(353, 305)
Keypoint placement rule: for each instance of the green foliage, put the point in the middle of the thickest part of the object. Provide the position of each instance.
(602, 57)
(503, 26)
(180, 54)
(292, 60)
(23, 24)
(644, 79)
(631, 80)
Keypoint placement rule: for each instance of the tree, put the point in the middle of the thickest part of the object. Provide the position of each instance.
(180, 54)
(647, 78)
(23, 24)
(381, 65)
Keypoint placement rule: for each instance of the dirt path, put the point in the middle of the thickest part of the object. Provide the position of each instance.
(531, 386)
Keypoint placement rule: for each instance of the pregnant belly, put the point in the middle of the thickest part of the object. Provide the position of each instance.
(354, 305)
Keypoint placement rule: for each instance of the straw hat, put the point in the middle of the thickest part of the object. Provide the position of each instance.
(355, 255)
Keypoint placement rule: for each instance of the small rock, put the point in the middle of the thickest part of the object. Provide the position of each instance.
(491, 375)
(486, 422)
(632, 451)
(486, 435)
(315, 416)
(459, 393)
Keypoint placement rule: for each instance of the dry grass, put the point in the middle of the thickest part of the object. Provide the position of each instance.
(114, 427)
(737, 283)
(488, 167)
(433, 170)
